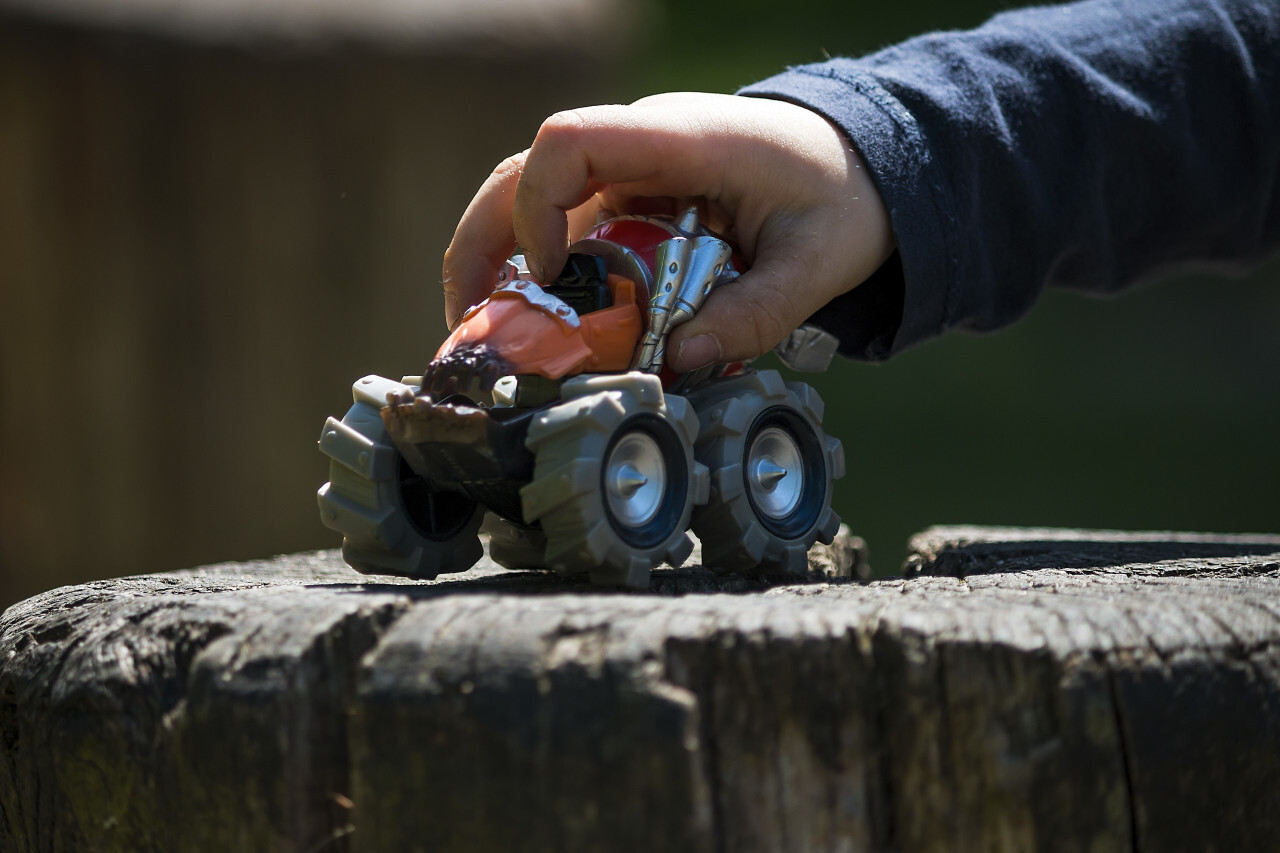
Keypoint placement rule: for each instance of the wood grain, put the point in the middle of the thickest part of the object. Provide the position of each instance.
(1022, 690)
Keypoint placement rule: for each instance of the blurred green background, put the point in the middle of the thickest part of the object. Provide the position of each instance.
(211, 224)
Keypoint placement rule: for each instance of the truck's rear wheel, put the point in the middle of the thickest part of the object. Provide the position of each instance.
(772, 469)
(614, 478)
(391, 520)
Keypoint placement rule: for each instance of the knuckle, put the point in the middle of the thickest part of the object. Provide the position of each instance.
(553, 148)
(563, 124)
(569, 129)
(770, 310)
(512, 166)
(768, 330)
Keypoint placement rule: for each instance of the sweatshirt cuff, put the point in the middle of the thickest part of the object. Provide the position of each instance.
(907, 300)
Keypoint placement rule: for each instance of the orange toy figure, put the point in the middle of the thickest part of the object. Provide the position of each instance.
(551, 340)
(548, 416)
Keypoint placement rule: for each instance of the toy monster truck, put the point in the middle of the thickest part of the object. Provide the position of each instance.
(549, 408)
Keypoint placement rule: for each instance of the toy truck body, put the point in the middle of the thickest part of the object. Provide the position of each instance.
(548, 416)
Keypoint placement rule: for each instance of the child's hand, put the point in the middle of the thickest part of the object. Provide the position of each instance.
(776, 178)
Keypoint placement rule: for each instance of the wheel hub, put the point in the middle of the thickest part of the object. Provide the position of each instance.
(635, 479)
(775, 472)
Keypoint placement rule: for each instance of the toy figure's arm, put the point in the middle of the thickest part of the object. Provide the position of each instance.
(777, 179)
(1082, 145)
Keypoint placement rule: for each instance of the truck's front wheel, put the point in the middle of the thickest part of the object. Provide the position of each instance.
(392, 521)
(614, 478)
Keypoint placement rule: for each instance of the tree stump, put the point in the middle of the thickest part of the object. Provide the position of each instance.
(1022, 689)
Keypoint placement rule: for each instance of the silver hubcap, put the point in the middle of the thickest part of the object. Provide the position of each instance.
(635, 479)
(775, 472)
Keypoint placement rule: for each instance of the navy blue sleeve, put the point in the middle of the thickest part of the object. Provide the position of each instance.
(1084, 146)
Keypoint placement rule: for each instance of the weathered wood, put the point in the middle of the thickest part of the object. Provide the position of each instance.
(1071, 690)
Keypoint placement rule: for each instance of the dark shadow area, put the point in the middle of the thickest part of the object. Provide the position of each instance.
(1003, 557)
(666, 583)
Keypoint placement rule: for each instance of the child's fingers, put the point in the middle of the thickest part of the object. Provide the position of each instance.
(637, 151)
(484, 239)
(751, 314)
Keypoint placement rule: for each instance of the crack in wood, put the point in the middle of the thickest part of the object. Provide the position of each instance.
(1131, 794)
(1030, 701)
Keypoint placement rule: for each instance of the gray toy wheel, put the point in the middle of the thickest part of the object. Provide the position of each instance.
(392, 522)
(614, 478)
(772, 469)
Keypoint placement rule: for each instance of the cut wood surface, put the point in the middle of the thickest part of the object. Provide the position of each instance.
(1022, 689)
